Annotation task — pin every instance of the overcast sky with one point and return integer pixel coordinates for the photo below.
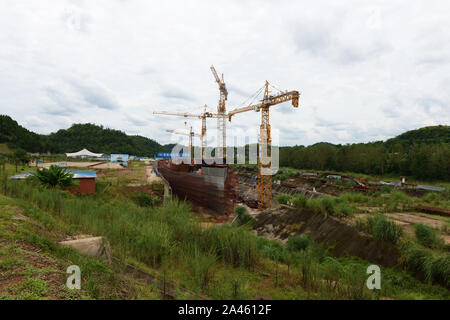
(366, 70)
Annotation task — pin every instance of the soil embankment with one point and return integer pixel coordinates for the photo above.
(340, 237)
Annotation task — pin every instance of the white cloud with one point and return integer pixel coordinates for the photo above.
(366, 71)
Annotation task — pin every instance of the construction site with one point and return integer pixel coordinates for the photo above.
(209, 181)
(271, 195)
(176, 225)
(247, 150)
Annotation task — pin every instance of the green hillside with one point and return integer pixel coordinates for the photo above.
(426, 135)
(16, 136)
(78, 136)
(103, 140)
(422, 153)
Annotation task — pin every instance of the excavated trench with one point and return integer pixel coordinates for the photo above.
(340, 237)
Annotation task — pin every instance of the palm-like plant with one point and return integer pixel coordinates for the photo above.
(54, 176)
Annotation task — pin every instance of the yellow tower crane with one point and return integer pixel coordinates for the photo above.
(202, 116)
(221, 122)
(265, 156)
(190, 134)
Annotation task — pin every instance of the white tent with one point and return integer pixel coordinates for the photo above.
(84, 154)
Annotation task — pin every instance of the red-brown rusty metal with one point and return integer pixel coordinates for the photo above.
(211, 191)
(434, 210)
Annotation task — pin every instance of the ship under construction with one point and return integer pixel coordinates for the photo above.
(213, 185)
(210, 186)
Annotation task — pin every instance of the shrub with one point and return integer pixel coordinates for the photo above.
(143, 199)
(201, 266)
(399, 196)
(298, 243)
(234, 245)
(343, 209)
(314, 205)
(439, 271)
(299, 200)
(350, 183)
(430, 197)
(240, 210)
(283, 198)
(425, 235)
(102, 186)
(355, 197)
(383, 229)
(435, 270)
(158, 186)
(418, 260)
(242, 215)
(327, 205)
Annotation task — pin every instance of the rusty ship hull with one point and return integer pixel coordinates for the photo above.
(211, 187)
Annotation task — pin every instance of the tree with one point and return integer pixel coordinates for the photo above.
(20, 156)
(54, 176)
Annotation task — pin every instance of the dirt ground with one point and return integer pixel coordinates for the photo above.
(151, 175)
(81, 164)
(107, 165)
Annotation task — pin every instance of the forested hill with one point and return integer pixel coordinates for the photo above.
(427, 135)
(95, 138)
(16, 136)
(421, 153)
(103, 140)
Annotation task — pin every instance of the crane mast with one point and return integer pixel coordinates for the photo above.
(265, 139)
(190, 134)
(221, 122)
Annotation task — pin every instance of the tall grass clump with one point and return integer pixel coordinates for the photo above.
(398, 200)
(271, 249)
(299, 200)
(327, 205)
(243, 217)
(426, 236)
(431, 197)
(298, 243)
(344, 210)
(417, 260)
(283, 198)
(422, 261)
(382, 229)
(355, 197)
(201, 266)
(152, 243)
(314, 205)
(439, 271)
(143, 199)
(233, 245)
(309, 268)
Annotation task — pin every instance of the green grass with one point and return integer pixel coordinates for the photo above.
(298, 243)
(32, 266)
(299, 200)
(243, 217)
(143, 199)
(435, 269)
(220, 262)
(381, 228)
(283, 198)
(426, 236)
